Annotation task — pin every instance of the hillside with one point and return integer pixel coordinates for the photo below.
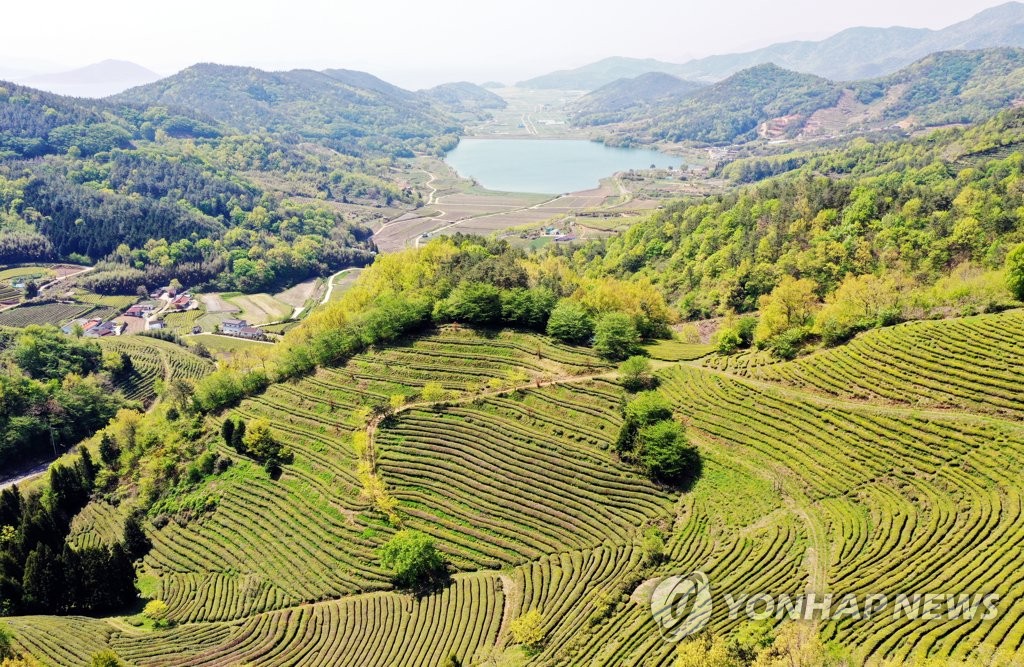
(727, 112)
(627, 98)
(856, 53)
(767, 102)
(348, 111)
(465, 97)
(603, 72)
(97, 80)
(128, 187)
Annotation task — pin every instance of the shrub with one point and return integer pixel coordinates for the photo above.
(106, 659)
(727, 341)
(413, 559)
(665, 452)
(528, 629)
(653, 546)
(570, 323)
(155, 610)
(787, 345)
(635, 374)
(615, 336)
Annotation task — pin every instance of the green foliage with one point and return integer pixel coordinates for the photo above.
(647, 408)
(478, 304)
(6, 646)
(527, 308)
(616, 337)
(570, 322)
(1015, 272)
(790, 305)
(652, 547)
(53, 394)
(727, 341)
(528, 629)
(44, 353)
(665, 452)
(635, 374)
(106, 658)
(787, 344)
(413, 559)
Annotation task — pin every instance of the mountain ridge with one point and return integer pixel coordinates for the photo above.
(851, 54)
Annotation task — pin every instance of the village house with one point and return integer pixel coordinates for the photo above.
(140, 310)
(252, 333)
(233, 327)
(155, 324)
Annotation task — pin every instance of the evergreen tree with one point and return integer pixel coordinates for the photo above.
(227, 431)
(43, 584)
(238, 437)
(136, 544)
(109, 451)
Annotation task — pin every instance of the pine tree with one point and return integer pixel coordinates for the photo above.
(227, 431)
(43, 582)
(108, 450)
(136, 544)
(238, 437)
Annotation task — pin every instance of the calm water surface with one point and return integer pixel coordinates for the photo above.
(548, 166)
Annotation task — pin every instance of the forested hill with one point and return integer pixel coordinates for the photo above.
(935, 216)
(856, 53)
(464, 97)
(727, 112)
(768, 102)
(351, 112)
(625, 98)
(153, 194)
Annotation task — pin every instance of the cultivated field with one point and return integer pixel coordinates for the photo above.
(817, 474)
(152, 360)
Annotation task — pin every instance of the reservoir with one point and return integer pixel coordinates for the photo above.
(548, 166)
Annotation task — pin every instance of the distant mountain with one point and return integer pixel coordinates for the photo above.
(349, 111)
(772, 103)
(601, 73)
(627, 97)
(464, 97)
(97, 80)
(857, 53)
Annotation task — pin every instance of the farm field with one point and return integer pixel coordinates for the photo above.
(154, 360)
(511, 469)
(55, 313)
(220, 344)
(254, 308)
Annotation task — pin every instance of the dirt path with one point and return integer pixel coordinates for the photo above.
(349, 279)
(513, 600)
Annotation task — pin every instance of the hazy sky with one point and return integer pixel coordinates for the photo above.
(419, 42)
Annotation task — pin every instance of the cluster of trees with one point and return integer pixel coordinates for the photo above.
(792, 316)
(899, 210)
(463, 279)
(414, 561)
(147, 194)
(759, 644)
(56, 391)
(257, 441)
(653, 438)
(40, 573)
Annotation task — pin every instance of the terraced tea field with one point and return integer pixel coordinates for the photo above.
(52, 313)
(819, 474)
(152, 360)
